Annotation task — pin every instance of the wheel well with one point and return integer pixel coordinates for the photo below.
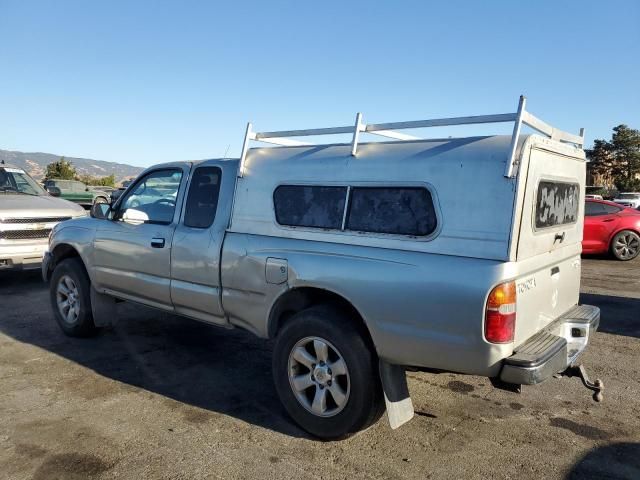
(298, 299)
(622, 230)
(61, 252)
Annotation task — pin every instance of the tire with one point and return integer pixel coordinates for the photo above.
(625, 245)
(353, 400)
(70, 283)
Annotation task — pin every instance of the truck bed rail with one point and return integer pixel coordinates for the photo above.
(390, 130)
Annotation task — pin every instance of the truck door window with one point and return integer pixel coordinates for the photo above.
(310, 206)
(395, 210)
(155, 194)
(202, 200)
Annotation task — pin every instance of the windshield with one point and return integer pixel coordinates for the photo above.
(629, 196)
(14, 180)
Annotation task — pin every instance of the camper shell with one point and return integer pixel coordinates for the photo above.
(456, 254)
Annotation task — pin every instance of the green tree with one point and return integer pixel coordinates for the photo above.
(108, 181)
(61, 169)
(618, 158)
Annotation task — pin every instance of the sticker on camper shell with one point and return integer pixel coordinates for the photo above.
(556, 203)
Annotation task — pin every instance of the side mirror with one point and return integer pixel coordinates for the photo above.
(135, 217)
(54, 191)
(100, 210)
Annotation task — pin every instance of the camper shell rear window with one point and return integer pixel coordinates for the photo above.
(395, 210)
(557, 203)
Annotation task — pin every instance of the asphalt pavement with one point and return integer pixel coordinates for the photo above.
(160, 396)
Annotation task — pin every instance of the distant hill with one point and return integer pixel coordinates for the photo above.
(36, 165)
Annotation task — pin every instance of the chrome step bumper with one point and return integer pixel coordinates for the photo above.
(553, 349)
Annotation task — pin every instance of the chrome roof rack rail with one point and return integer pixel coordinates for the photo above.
(389, 130)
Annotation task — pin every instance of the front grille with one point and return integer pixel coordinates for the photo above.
(34, 220)
(24, 234)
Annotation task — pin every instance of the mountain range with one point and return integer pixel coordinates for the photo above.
(36, 165)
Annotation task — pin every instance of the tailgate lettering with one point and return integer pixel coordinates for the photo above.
(526, 285)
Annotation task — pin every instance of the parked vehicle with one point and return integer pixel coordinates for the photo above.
(358, 259)
(593, 197)
(115, 194)
(27, 215)
(611, 228)
(629, 199)
(101, 188)
(76, 191)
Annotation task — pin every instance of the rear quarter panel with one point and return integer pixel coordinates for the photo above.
(423, 310)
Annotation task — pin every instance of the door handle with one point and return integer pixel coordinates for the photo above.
(559, 237)
(607, 220)
(157, 242)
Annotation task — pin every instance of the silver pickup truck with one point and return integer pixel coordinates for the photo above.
(360, 259)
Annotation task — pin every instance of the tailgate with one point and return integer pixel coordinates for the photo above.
(547, 287)
(549, 241)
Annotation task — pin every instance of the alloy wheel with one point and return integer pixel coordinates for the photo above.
(319, 377)
(68, 299)
(626, 246)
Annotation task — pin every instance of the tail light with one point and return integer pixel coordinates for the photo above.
(500, 314)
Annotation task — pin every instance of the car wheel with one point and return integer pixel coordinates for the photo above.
(100, 200)
(71, 300)
(326, 374)
(625, 245)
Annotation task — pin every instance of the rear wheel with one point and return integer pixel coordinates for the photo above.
(69, 292)
(326, 375)
(625, 245)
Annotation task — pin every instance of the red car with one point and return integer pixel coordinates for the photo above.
(609, 227)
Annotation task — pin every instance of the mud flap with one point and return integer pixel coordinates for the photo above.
(396, 394)
(103, 308)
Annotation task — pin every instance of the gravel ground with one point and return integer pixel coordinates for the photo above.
(163, 397)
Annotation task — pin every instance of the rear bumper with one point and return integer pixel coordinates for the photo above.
(553, 349)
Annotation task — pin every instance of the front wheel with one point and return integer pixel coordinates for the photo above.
(326, 375)
(69, 292)
(625, 245)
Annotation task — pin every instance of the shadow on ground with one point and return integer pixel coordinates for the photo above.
(228, 372)
(616, 461)
(204, 366)
(618, 315)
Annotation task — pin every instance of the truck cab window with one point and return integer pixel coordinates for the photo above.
(155, 195)
(202, 200)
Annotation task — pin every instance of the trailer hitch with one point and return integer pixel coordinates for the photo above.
(597, 385)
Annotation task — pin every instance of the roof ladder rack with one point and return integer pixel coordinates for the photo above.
(389, 130)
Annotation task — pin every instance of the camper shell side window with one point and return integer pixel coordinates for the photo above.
(394, 210)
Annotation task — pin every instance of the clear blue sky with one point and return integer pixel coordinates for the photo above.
(151, 81)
